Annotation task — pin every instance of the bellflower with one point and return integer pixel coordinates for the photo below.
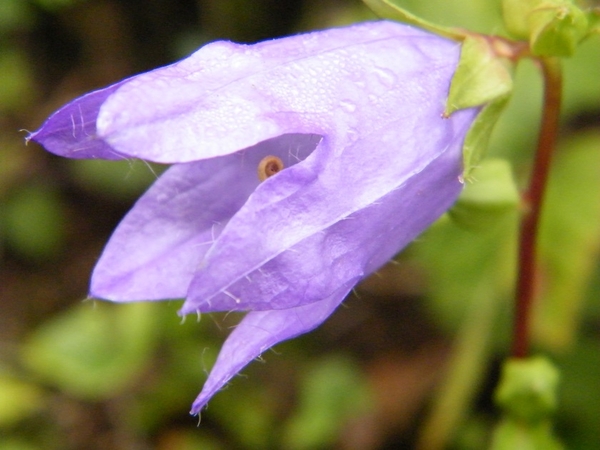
(349, 124)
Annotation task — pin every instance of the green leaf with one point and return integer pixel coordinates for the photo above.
(332, 392)
(489, 194)
(390, 9)
(481, 78)
(93, 351)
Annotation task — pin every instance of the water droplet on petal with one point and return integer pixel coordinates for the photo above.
(386, 76)
(348, 106)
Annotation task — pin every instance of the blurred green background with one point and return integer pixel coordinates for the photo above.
(412, 358)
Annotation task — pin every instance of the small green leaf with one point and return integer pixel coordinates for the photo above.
(481, 76)
(390, 9)
(527, 389)
(332, 393)
(93, 351)
(556, 27)
(489, 194)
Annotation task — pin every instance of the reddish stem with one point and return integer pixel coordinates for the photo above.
(533, 198)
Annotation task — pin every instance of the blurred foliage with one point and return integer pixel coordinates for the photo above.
(91, 352)
(331, 393)
(99, 376)
(34, 222)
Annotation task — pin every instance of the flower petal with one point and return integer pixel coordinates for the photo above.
(158, 246)
(227, 96)
(324, 190)
(259, 331)
(71, 131)
(350, 248)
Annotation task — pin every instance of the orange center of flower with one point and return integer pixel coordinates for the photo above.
(269, 166)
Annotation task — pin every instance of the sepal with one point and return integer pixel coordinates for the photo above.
(552, 27)
(478, 136)
(482, 76)
(556, 28)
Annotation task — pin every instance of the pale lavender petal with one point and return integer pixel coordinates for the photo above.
(71, 131)
(356, 115)
(158, 246)
(350, 248)
(259, 331)
(324, 190)
(339, 82)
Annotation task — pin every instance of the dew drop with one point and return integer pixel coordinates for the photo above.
(386, 76)
(348, 106)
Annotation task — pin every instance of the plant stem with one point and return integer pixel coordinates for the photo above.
(533, 197)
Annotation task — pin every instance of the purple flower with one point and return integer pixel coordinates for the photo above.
(355, 116)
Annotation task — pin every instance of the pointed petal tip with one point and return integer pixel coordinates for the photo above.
(30, 135)
(188, 308)
(198, 404)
